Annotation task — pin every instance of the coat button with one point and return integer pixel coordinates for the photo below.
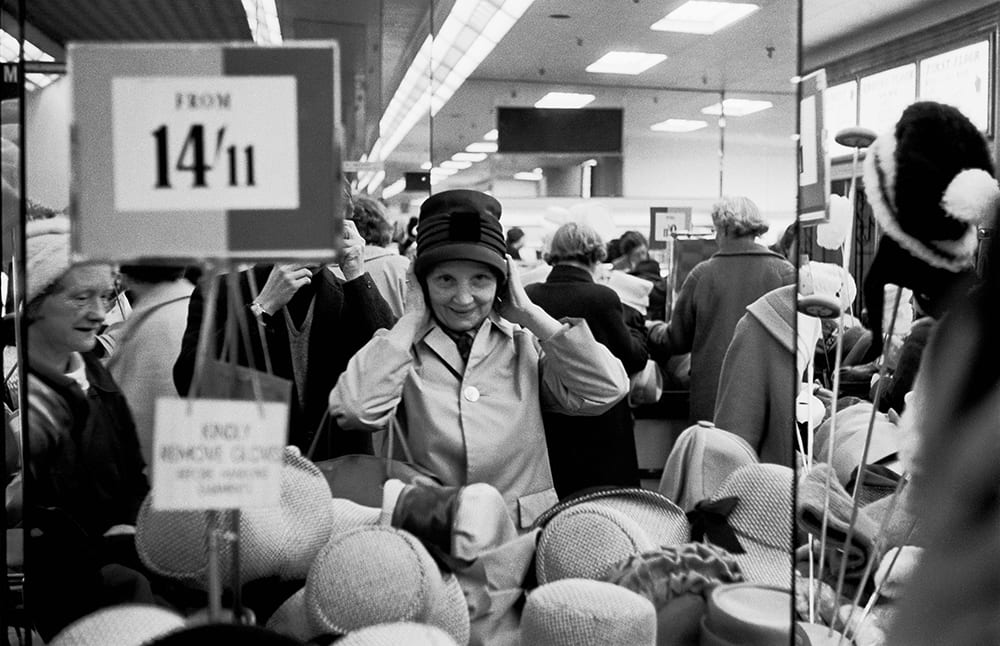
(471, 394)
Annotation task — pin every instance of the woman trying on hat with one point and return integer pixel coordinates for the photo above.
(85, 471)
(474, 362)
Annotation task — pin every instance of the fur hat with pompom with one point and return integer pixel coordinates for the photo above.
(48, 255)
(930, 183)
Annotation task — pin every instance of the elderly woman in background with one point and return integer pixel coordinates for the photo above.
(591, 451)
(474, 362)
(383, 263)
(715, 295)
(85, 469)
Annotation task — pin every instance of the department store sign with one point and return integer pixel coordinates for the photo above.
(217, 454)
(189, 151)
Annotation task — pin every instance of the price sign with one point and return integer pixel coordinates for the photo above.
(185, 143)
(188, 151)
(217, 453)
(664, 221)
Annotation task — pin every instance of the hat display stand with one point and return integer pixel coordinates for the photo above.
(855, 138)
(216, 535)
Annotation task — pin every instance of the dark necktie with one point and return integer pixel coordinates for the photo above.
(464, 344)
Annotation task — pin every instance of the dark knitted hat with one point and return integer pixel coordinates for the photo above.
(930, 183)
(460, 225)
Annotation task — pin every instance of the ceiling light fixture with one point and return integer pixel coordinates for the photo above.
(426, 166)
(443, 63)
(529, 176)
(568, 100)
(737, 107)
(457, 165)
(443, 172)
(262, 16)
(10, 51)
(679, 125)
(394, 189)
(631, 63)
(473, 158)
(700, 17)
(491, 135)
(482, 147)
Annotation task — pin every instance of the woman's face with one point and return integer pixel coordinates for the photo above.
(461, 293)
(69, 319)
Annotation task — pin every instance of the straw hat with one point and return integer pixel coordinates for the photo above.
(125, 625)
(762, 521)
(374, 575)
(573, 612)
(584, 536)
(747, 614)
(275, 541)
(407, 633)
(702, 458)
(213, 634)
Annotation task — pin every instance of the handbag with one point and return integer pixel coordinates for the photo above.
(359, 478)
(646, 386)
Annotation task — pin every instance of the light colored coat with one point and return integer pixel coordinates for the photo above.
(142, 363)
(486, 427)
(388, 271)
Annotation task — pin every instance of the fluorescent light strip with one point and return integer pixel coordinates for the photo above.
(482, 147)
(491, 135)
(630, 63)
(457, 165)
(442, 172)
(467, 36)
(426, 166)
(678, 125)
(529, 176)
(394, 189)
(376, 181)
(568, 100)
(700, 17)
(10, 50)
(737, 107)
(262, 17)
(473, 158)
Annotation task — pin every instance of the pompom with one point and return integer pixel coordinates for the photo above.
(971, 196)
(831, 235)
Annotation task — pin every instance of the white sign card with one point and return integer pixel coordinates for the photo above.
(840, 110)
(808, 140)
(885, 95)
(960, 78)
(205, 142)
(666, 221)
(217, 453)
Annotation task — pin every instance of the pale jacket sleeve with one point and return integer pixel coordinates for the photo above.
(578, 375)
(369, 390)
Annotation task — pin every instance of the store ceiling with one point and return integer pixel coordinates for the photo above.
(754, 57)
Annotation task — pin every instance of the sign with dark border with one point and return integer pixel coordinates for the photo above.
(813, 160)
(189, 151)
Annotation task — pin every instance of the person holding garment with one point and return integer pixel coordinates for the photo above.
(312, 322)
(473, 362)
(714, 297)
(590, 451)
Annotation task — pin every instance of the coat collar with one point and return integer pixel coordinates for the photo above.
(744, 248)
(569, 274)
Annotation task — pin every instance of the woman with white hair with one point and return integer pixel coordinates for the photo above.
(715, 295)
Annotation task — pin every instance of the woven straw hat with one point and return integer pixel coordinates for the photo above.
(130, 625)
(275, 541)
(375, 575)
(572, 612)
(398, 633)
(762, 521)
(584, 536)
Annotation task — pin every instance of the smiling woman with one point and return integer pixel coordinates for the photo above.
(85, 471)
(473, 371)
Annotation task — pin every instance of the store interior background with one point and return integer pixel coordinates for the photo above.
(546, 49)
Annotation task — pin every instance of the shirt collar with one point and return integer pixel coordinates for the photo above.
(494, 320)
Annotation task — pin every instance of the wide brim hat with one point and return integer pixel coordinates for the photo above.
(702, 457)
(277, 541)
(762, 521)
(572, 612)
(585, 535)
(849, 441)
(375, 575)
(460, 225)
(129, 625)
(747, 614)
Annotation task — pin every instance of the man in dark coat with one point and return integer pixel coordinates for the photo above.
(590, 451)
(314, 322)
